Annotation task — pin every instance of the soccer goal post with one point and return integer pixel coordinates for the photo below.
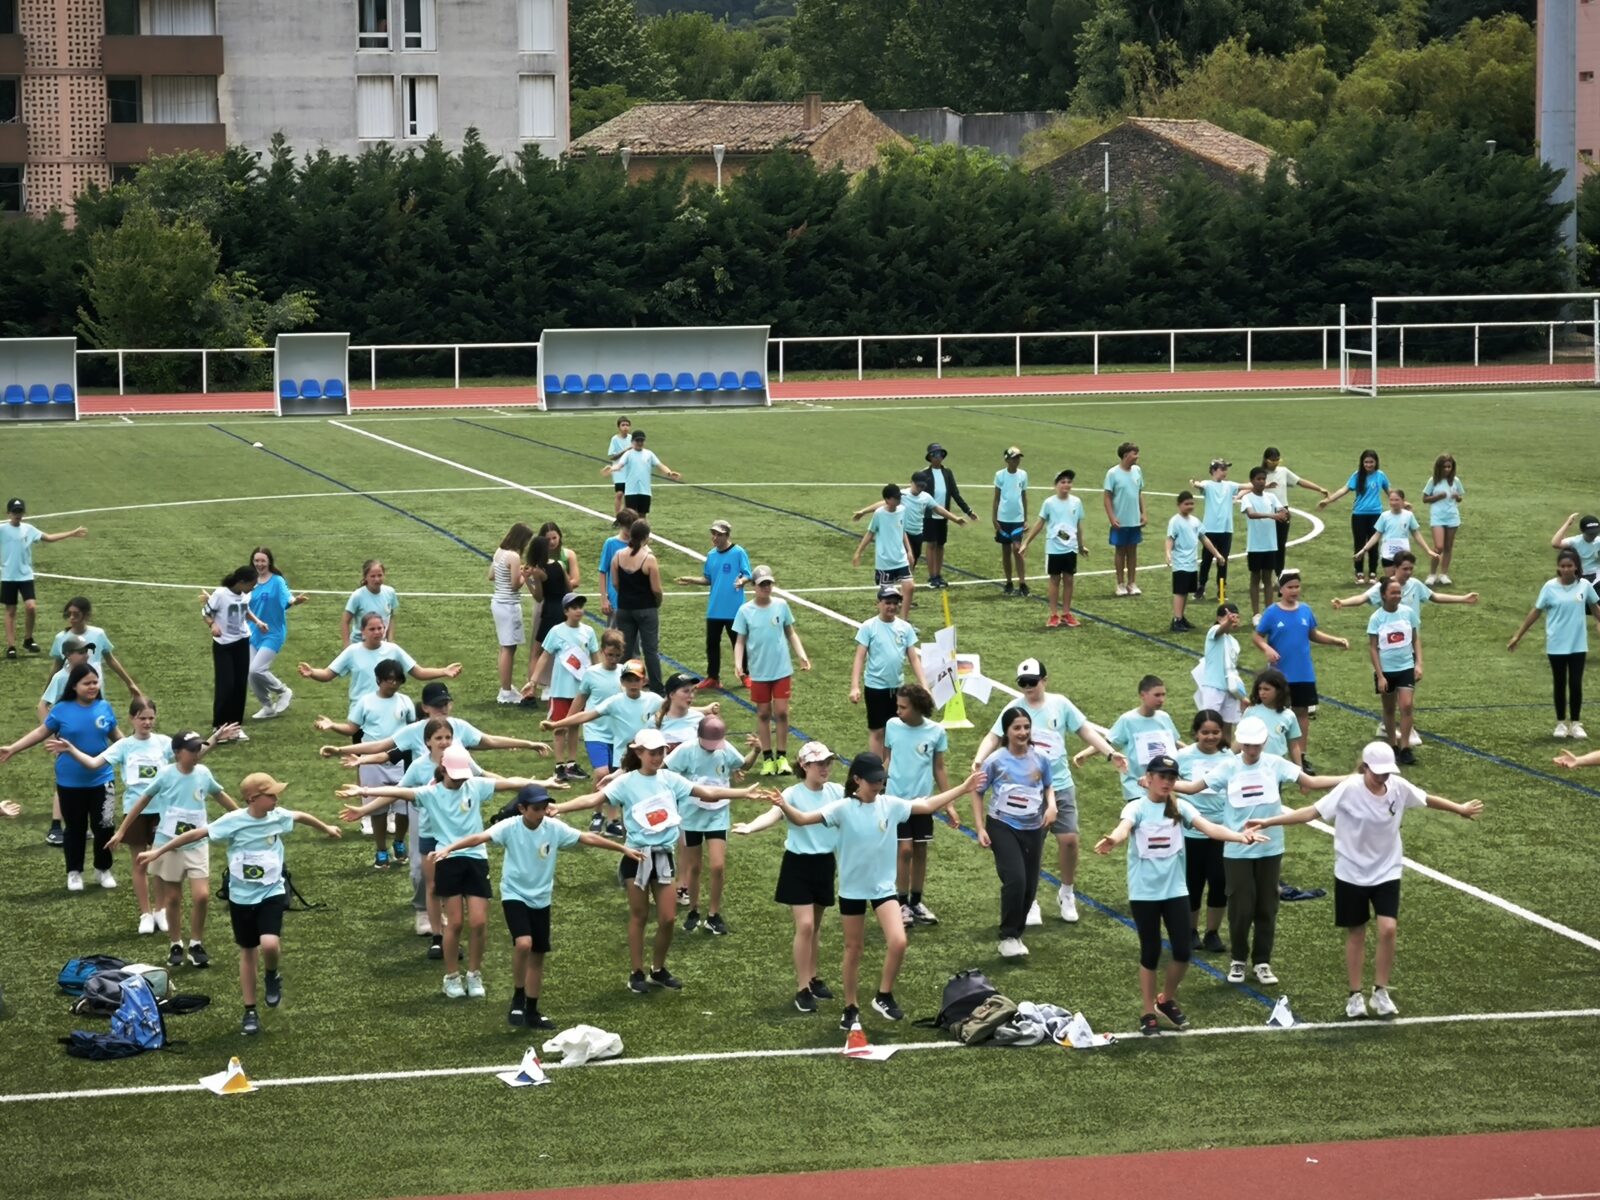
(1533, 339)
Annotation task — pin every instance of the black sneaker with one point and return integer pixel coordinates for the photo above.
(691, 921)
(596, 823)
(849, 1017)
(436, 947)
(54, 836)
(561, 775)
(1405, 757)
(1212, 943)
(517, 1014)
(251, 1025)
(537, 1020)
(1176, 626)
(574, 771)
(1170, 1010)
(1149, 1026)
(529, 702)
(805, 1001)
(883, 1004)
(820, 989)
(274, 989)
(1305, 765)
(31, 646)
(637, 984)
(1008, 590)
(615, 829)
(11, 651)
(664, 978)
(1022, 589)
(175, 955)
(198, 956)
(716, 926)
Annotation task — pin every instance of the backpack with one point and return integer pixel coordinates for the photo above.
(136, 1026)
(989, 1016)
(102, 993)
(78, 971)
(962, 996)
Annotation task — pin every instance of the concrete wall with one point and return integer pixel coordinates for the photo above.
(1140, 164)
(1588, 90)
(1000, 132)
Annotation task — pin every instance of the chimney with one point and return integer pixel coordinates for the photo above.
(811, 111)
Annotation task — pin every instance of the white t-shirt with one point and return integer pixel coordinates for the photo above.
(1366, 828)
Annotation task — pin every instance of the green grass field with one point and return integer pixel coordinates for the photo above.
(174, 504)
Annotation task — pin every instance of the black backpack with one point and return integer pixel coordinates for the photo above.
(962, 996)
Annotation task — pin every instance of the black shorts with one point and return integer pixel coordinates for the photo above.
(1351, 902)
(664, 866)
(916, 828)
(890, 576)
(1303, 695)
(858, 908)
(12, 589)
(880, 706)
(1399, 681)
(1387, 563)
(252, 922)
(935, 531)
(1062, 564)
(462, 876)
(805, 879)
(1010, 533)
(916, 547)
(693, 837)
(525, 922)
(1185, 583)
(639, 504)
(1261, 560)
(619, 487)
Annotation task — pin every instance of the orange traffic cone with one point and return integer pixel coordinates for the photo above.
(856, 1042)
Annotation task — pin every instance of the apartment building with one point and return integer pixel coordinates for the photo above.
(1586, 56)
(91, 88)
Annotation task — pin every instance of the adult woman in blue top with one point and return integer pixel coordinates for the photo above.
(1565, 601)
(88, 795)
(1022, 805)
(1370, 487)
(270, 600)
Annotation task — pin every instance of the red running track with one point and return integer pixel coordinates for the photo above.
(1495, 1166)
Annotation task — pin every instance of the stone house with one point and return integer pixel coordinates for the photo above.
(1146, 152)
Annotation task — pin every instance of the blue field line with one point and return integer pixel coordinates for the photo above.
(739, 700)
(1036, 420)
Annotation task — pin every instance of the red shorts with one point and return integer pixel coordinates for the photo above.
(560, 707)
(765, 691)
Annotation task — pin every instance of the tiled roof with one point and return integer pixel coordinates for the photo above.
(1210, 142)
(744, 127)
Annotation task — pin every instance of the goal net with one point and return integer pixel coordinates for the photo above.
(1543, 339)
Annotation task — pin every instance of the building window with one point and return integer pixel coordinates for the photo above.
(183, 100)
(124, 101)
(8, 16)
(419, 98)
(1585, 76)
(372, 18)
(537, 104)
(374, 107)
(536, 26)
(124, 172)
(11, 189)
(188, 18)
(10, 99)
(417, 32)
(122, 17)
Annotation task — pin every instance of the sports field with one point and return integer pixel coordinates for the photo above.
(1508, 924)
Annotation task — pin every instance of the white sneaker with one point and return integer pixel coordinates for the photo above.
(1122, 589)
(1012, 948)
(1235, 971)
(1355, 1008)
(508, 696)
(907, 917)
(74, 881)
(366, 826)
(1133, 590)
(1381, 1004)
(453, 987)
(1445, 579)
(1575, 730)
(424, 928)
(106, 879)
(1264, 973)
(1035, 917)
(1560, 730)
(160, 915)
(241, 736)
(475, 985)
(1430, 581)
(1382, 732)
(265, 713)
(1069, 905)
(147, 924)
(281, 702)
(1416, 739)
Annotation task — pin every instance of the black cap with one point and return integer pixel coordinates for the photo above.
(15, 504)
(933, 449)
(638, 435)
(1590, 522)
(1162, 764)
(679, 679)
(868, 767)
(188, 740)
(435, 694)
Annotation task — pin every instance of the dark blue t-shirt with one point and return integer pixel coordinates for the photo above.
(89, 728)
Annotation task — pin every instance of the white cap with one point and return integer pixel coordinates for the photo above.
(1030, 666)
(455, 760)
(649, 738)
(814, 752)
(1378, 757)
(1252, 731)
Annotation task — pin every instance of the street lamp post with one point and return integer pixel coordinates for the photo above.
(717, 151)
(1105, 149)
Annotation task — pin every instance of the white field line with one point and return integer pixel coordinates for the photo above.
(807, 1052)
(80, 512)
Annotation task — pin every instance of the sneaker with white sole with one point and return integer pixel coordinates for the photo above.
(1068, 904)
(160, 915)
(74, 881)
(883, 1004)
(508, 696)
(1355, 1008)
(1012, 948)
(922, 914)
(147, 924)
(1382, 1005)
(1264, 973)
(241, 736)
(1122, 589)
(1576, 730)
(1133, 590)
(106, 879)
(1446, 580)
(475, 985)
(907, 917)
(281, 702)
(1560, 730)
(1035, 917)
(454, 988)
(423, 926)
(1235, 971)
(265, 713)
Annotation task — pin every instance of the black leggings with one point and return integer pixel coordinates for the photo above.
(1283, 546)
(1204, 865)
(1017, 853)
(230, 679)
(715, 628)
(1566, 671)
(1223, 542)
(1147, 918)
(1362, 527)
(86, 809)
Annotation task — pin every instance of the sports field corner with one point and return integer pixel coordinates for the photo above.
(383, 1088)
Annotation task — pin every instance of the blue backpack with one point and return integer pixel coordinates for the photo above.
(78, 970)
(136, 1026)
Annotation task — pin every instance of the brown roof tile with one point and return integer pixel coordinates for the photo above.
(1210, 142)
(744, 127)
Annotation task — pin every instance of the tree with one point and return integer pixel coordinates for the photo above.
(1050, 29)
(592, 107)
(607, 45)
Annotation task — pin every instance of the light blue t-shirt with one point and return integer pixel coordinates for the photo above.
(1052, 721)
(868, 844)
(254, 846)
(1261, 535)
(1193, 764)
(599, 684)
(409, 740)
(637, 466)
(1016, 784)
(270, 602)
(708, 768)
(1376, 495)
(1124, 488)
(910, 750)
(179, 800)
(1394, 532)
(619, 444)
(455, 813)
(1283, 727)
(380, 718)
(358, 663)
(1156, 852)
(915, 505)
(16, 551)
(1446, 510)
(888, 540)
(1220, 663)
(1012, 486)
(722, 569)
(1413, 595)
(1140, 739)
(363, 601)
(572, 647)
(1566, 615)
(1219, 495)
(765, 629)
(1397, 634)
(886, 643)
(652, 806)
(1588, 553)
(812, 839)
(1185, 534)
(678, 730)
(100, 639)
(138, 760)
(1253, 791)
(421, 774)
(528, 871)
(1062, 521)
(625, 716)
(57, 687)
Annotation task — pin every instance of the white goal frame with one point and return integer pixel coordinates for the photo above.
(1356, 361)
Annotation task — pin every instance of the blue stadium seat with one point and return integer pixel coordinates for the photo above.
(63, 393)
(310, 389)
(707, 382)
(729, 382)
(552, 385)
(594, 384)
(753, 381)
(287, 390)
(685, 382)
(641, 383)
(617, 383)
(663, 382)
(572, 385)
(38, 394)
(333, 389)
(15, 394)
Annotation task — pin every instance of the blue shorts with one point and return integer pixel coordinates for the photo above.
(1009, 533)
(1126, 537)
(599, 754)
